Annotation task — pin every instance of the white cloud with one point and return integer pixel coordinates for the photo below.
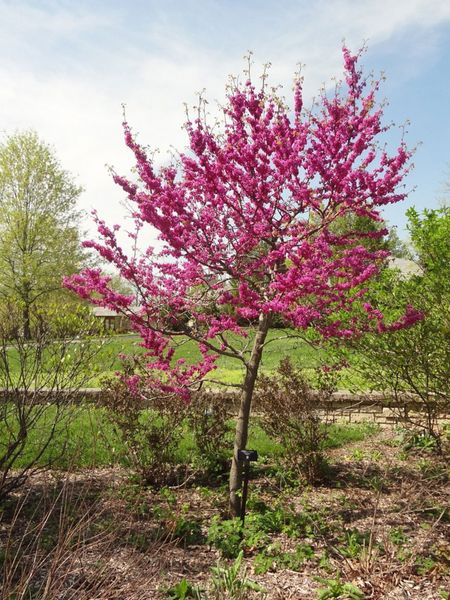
(67, 70)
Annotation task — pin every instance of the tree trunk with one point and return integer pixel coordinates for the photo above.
(241, 434)
(26, 322)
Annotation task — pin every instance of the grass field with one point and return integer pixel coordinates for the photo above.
(102, 359)
(228, 370)
(85, 437)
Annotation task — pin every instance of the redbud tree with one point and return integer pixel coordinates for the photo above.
(246, 219)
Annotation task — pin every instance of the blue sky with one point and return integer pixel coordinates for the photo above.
(67, 67)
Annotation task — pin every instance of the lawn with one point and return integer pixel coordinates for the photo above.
(85, 437)
(100, 359)
(228, 370)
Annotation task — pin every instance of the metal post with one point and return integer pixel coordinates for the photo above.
(245, 490)
(245, 457)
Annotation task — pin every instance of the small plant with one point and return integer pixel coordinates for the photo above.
(175, 522)
(397, 536)
(272, 558)
(336, 588)
(188, 531)
(183, 590)
(232, 582)
(419, 440)
(226, 536)
(354, 544)
(424, 564)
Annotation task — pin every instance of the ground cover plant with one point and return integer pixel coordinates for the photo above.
(247, 230)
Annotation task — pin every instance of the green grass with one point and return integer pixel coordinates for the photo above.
(228, 370)
(86, 438)
(103, 359)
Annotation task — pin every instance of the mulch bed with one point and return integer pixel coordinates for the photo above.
(94, 535)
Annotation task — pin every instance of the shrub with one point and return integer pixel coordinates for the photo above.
(413, 365)
(208, 418)
(291, 416)
(150, 429)
(40, 382)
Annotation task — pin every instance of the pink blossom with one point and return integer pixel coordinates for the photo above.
(245, 223)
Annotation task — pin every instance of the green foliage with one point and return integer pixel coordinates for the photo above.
(397, 536)
(424, 564)
(183, 590)
(366, 229)
(226, 536)
(272, 559)
(39, 228)
(226, 581)
(354, 543)
(414, 363)
(230, 537)
(336, 588)
(232, 581)
(419, 440)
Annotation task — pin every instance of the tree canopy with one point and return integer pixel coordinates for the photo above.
(39, 224)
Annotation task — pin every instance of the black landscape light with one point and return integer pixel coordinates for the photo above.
(246, 457)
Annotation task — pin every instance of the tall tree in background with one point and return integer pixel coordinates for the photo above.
(39, 225)
(414, 365)
(245, 220)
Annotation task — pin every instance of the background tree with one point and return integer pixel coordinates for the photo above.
(375, 235)
(39, 225)
(245, 221)
(414, 365)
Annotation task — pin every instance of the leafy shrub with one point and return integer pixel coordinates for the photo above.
(291, 417)
(412, 365)
(208, 418)
(40, 383)
(150, 429)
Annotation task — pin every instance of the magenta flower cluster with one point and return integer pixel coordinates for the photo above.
(246, 226)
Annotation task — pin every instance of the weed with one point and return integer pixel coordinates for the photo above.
(424, 564)
(397, 536)
(354, 544)
(272, 558)
(336, 588)
(183, 590)
(232, 582)
(422, 440)
(226, 536)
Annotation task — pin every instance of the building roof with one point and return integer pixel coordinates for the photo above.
(99, 311)
(405, 266)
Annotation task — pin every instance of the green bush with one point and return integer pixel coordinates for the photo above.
(290, 416)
